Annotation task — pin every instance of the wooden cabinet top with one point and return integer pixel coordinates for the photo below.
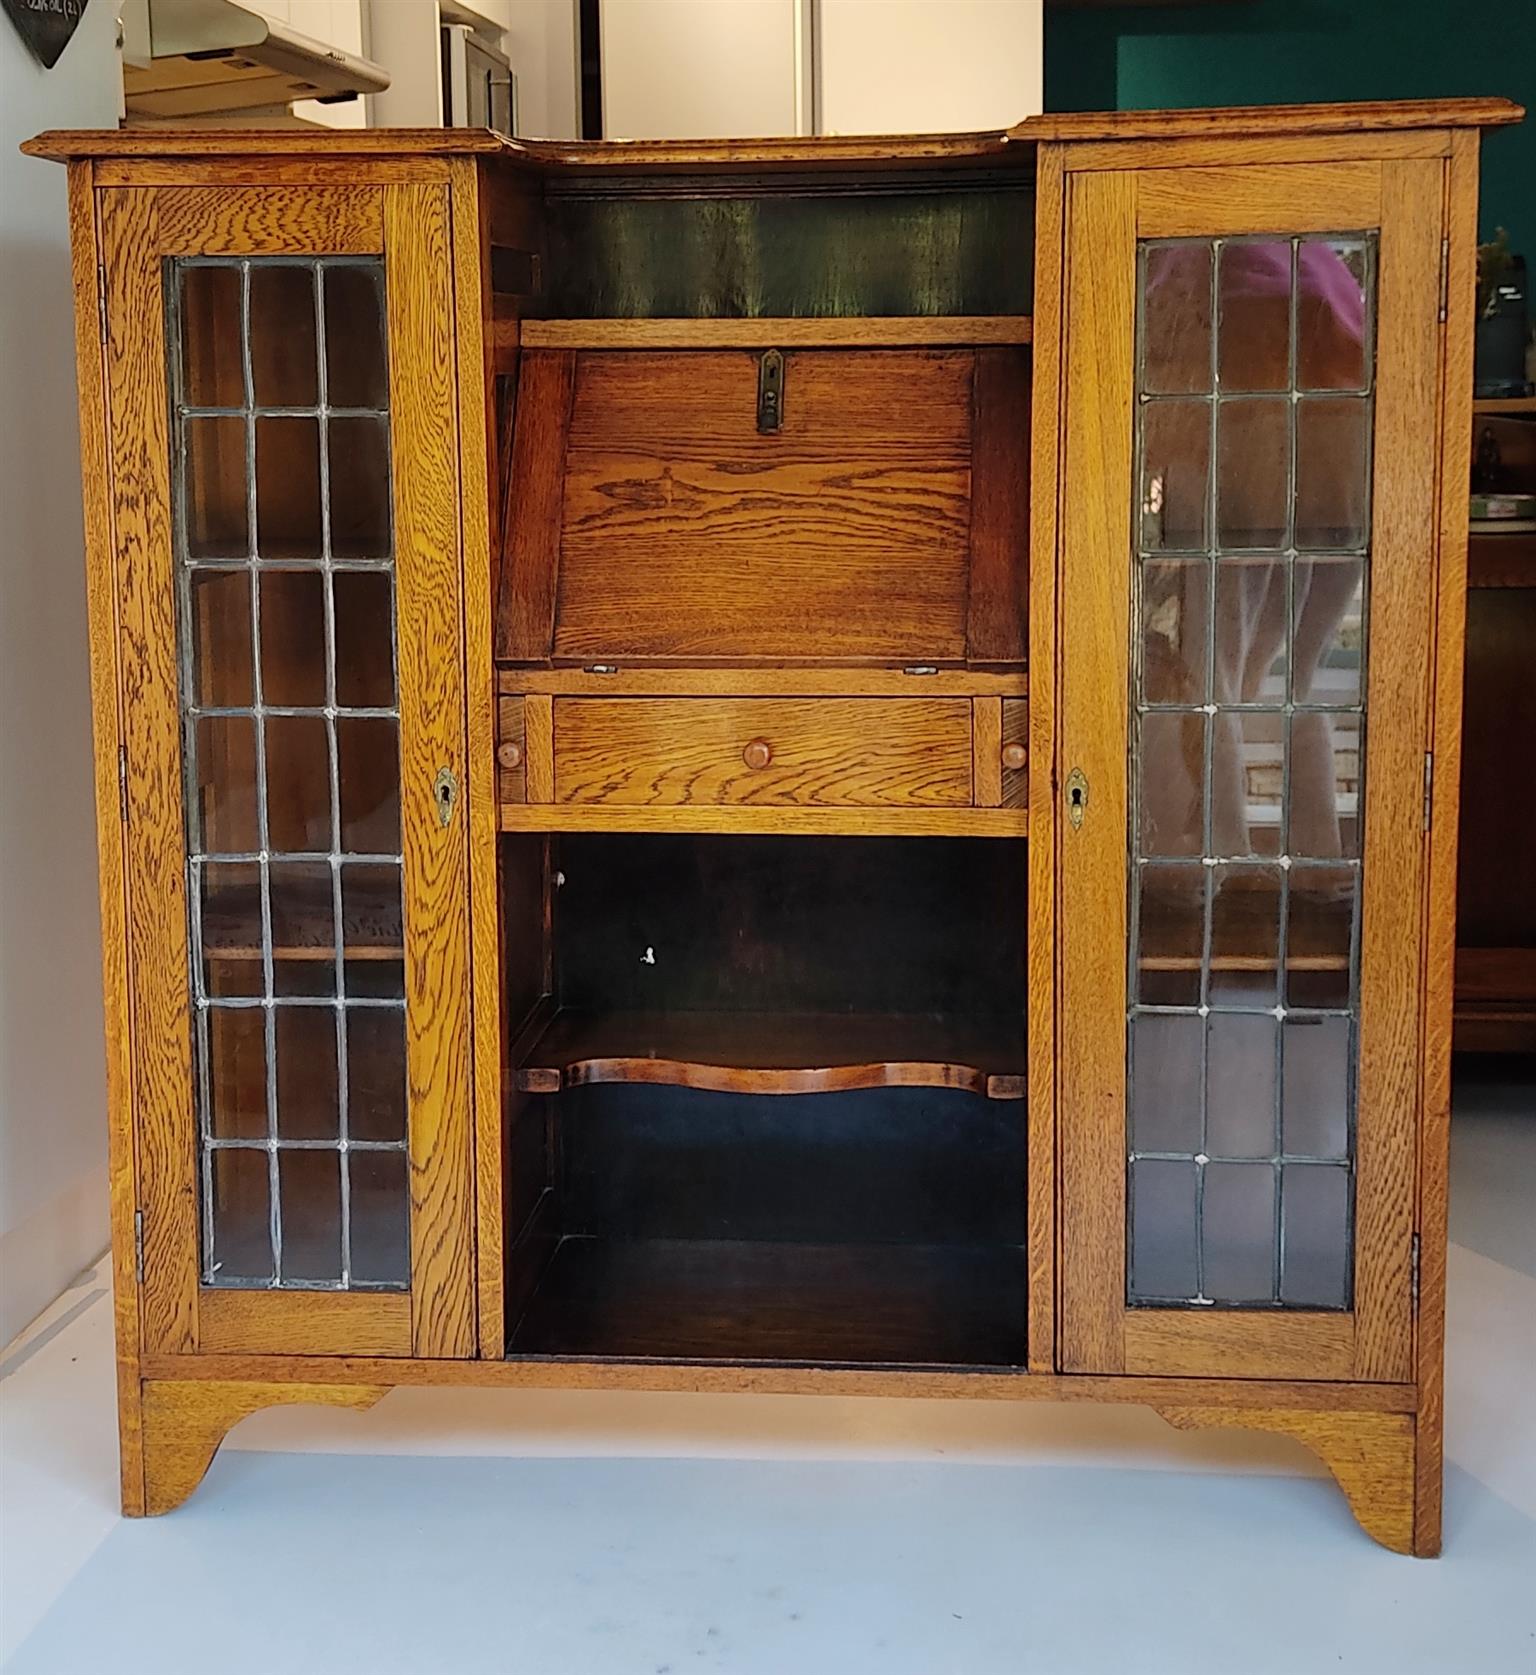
(999, 146)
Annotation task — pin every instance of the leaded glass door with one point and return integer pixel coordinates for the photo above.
(1247, 571)
(285, 487)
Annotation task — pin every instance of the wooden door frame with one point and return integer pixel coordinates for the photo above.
(409, 223)
(1106, 210)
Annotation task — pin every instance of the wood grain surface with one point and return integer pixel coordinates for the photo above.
(846, 752)
(902, 331)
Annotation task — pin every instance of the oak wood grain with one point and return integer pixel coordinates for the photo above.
(1370, 1455)
(531, 514)
(852, 752)
(303, 1322)
(987, 751)
(539, 748)
(511, 740)
(770, 819)
(470, 228)
(757, 681)
(1299, 198)
(185, 1420)
(156, 926)
(1014, 737)
(270, 221)
(997, 600)
(686, 532)
(430, 651)
(106, 733)
(1046, 442)
(1227, 1343)
(761, 332)
(777, 1053)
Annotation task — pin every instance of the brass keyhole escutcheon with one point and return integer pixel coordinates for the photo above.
(1077, 796)
(445, 793)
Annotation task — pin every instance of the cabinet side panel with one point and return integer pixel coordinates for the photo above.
(106, 724)
(417, 244)
(1406, 464)
(1434, 1138)
(155, 850)
(1095, 601)
(1044, 495)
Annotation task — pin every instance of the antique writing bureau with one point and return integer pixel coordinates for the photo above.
(801, 766)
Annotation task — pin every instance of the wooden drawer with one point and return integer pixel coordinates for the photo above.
(805, 752)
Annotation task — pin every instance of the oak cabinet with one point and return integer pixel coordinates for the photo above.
(806, 766)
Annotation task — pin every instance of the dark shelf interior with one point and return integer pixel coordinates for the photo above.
(765, 1300)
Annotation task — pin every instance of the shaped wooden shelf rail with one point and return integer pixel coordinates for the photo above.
(780, 1053)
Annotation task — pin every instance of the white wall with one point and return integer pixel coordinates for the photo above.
(540, 39)
(53, 1217)
(928, 66)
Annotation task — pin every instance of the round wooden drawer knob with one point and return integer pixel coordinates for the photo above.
(1014, 756)
(758, 754)
(510, 754)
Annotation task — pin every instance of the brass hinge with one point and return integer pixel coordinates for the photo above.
(1429, 786)
(138, 1245)
(122, 783)
(1413, 1272)
(1445, 275)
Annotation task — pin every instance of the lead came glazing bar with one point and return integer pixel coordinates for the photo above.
(1247, 766)
(252, 953)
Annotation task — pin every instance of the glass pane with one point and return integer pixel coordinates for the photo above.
(1316, 1100)
(221, 638)
(1174, 609)
(213, 488)
(1325, 784)
(365, 639)
(293, 638)
(1248, 734)
(1254, 335)
(298, 784)
(360, 510)
(288, 488)
(1176, 321)
(369, 753)
(300, 1028)
(308, 1100)
(1171, 934)
(357, 367)
(222, 809)
(284, 367)
(212, 368)
(1245, 936)
(230, 905)
(1165, 1074)
(1238, 1232)
(1250, 631)
(1315, 1266)
(237, 1072)
(1240, 1085)
(1328, 641)
(240, 1213)
(1175, 476)
(1331, 314)
(310, 1183)
(1331, 473)
(380, 1234)
(1163, 1229)
(1320, 953)
(1253, 452)
(1172, 770)
(376, 1073)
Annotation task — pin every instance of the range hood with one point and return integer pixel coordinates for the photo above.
(192, 58)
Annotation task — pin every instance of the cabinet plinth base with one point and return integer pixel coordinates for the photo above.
(1370, 1455)
(185, 1420)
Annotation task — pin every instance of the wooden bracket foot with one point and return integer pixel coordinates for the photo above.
(1371, 1456)
(185, 1420)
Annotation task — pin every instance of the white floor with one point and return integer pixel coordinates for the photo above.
(612, 1534)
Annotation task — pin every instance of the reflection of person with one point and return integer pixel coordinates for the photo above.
(1255, 499)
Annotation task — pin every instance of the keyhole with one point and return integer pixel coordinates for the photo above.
(446, 789)
(1077, 796)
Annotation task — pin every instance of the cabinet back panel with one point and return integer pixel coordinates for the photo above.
(878, 252)
(881, 1165)
(791, 924)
